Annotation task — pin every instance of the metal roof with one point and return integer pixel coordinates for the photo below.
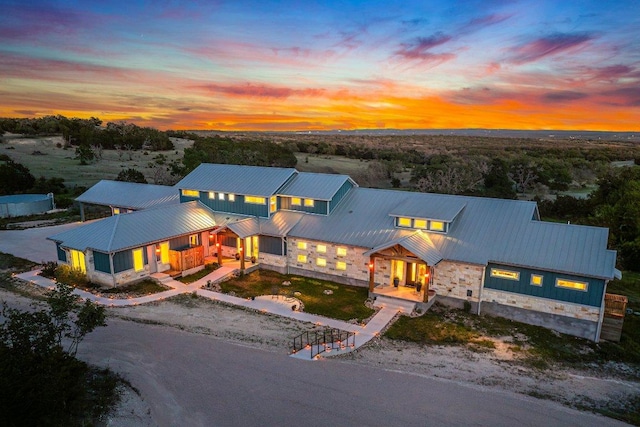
(135, 229)
(485, 230)
(318, 186)
(236, 179)
(131, 195)
(278, 225)
(439, 207)
(418, 243)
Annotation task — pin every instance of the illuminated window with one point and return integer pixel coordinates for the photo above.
(420, 223)
(341, 251)
(536, 280)
(321, 249)
(321, 262)
(436, 226)
(194, 240)
(212, 195)
(232, 197)
(571, 284)
(302, 258)
(273, 204)
(505, 274)
(309, 202)
(220, 196)
(138, 260)
(77, 261)
(116, 211)
(296, 201)
(341, 265)
(190, 193)
(404, 222)
(164, 252)
(302, 245)
(255, 200)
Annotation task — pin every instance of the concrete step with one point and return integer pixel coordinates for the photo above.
(405, 306)
(162, 277)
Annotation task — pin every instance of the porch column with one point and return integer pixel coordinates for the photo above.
(425, 297)
(371, 273)
(242, 254)
(219, 249)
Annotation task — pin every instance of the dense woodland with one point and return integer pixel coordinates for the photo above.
(539, 169)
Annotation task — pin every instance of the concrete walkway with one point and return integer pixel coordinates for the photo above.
(265, 304)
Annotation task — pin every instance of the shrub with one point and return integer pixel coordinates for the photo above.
(49, 269)
(70, 276)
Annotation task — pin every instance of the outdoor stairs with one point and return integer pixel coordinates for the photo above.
(404, 306)
(162, 277)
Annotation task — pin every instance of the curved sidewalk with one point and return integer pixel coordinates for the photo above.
(363, 334)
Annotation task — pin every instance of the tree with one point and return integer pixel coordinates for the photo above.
(85, 154)
(131, 175)
(40, 381)
(14, 177)
(497, 182)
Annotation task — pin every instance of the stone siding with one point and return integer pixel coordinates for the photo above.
(454, 279)
(542, 305)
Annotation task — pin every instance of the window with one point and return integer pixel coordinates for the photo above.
(341, 251)
(505, 274)
(404, 222)
(190, 193)
(341, 265)
(116, 211)
(273, 204)
(436, 226)
(302, 258)
(255, 200)
(194, 240)
(321, 249)
(77, 261)
(536, 280)
(302, 245)
(164, 252)
(321, 262)
(420, 223)
(212, 195)
(138, 260)
(296, 201)
(220, 196)
(309, 203)
(571, 284)
(232, 197)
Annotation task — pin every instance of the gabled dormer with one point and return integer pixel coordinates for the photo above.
(315, 193)
(436, 217)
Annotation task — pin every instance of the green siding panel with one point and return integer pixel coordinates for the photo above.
(122, 261)
(319, 207)
(236, 207)
(344, 189)
(101, 262)
(592, 296)
(62, 254)
(270, 245)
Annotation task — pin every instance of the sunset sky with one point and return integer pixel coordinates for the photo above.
(314, 65)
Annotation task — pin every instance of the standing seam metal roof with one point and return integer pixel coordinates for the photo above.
(319, 186)
(130, 195)
(235, 179)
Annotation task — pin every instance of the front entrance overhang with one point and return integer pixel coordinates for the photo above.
(419, 244)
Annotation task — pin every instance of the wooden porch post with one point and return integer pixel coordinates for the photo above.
(219, 249)
(371, 273)
(425, 297)
(241, 254)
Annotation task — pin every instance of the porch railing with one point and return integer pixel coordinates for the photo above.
(324, 340)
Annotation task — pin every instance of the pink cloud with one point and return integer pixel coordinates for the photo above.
(546, 46)
(419, 47)
(250, 90)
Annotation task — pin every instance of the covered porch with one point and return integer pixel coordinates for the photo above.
(404, 268)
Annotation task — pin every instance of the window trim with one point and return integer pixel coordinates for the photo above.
(341, 251)
(441, 229)
(415, 224)
(138, 259)
(574, 282)
(221, 196)
(232, 197)
(190, 193)
(341, 263)
(255, 200)
(321, 249)
(501, 273)
(321, 262)
(536, 276)
(402, 219)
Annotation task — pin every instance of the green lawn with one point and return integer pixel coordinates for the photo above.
(198, 275)
(15, 264)
(346, 302)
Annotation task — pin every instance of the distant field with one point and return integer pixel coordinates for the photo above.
(43, 158)
(330, 164)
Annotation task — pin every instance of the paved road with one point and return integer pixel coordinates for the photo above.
(195, 380)
(32, 243)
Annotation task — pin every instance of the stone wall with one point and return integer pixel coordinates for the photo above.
(453, 280)
(568, 318)
(357, 265)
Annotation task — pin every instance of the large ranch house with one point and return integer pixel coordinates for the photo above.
(496, 255)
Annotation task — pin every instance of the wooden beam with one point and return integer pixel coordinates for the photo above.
(219, 250)
(242, 254)
(371, 273)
